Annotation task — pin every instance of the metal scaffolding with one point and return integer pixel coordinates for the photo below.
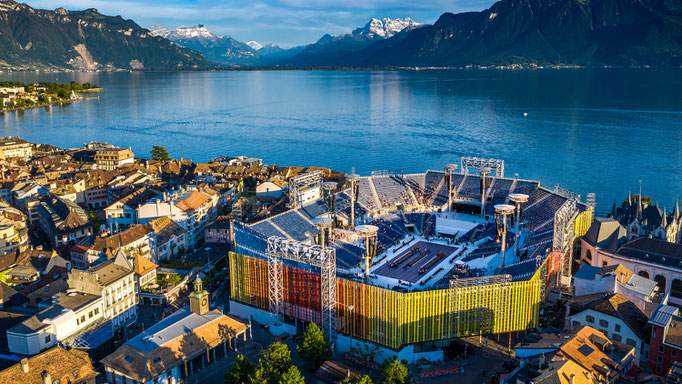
(311, 179)
(566, 193)
(324, 258)
(478, 162)
(564, 235)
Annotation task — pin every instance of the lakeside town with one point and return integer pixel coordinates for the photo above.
(15, 95)
(118, 267)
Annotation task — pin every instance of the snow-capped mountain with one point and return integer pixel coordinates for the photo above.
(386, 28)
(335, 50)
(254, 45)
(183, 32)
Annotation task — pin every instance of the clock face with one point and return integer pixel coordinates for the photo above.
(204, 301)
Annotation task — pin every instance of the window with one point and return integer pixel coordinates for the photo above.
(603, 323)
(676, 288)
(660, 279)
(617, 327)
(90, 315)
(658, 370)
(576, 323)
(659, 359)
(48, 338)
(83, 319)
(589, 319)
(616, 337)
(673, 353)
(660, 349)
(631, 342)
(604, 332)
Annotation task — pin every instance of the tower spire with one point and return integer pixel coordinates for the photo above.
(613, 209)
(676, 211)
(664, 221)
(629, 198)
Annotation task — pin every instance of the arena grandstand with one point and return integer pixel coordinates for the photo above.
(409, 262)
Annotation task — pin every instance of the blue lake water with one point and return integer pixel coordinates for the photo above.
(588, 130)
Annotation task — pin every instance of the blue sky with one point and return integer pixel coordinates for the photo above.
(284, 22)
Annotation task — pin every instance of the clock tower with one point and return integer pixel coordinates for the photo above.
(198, 300)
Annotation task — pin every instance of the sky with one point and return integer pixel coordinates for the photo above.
(284, 22)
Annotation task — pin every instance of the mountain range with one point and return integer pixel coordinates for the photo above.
(511, 32)
(60, 39)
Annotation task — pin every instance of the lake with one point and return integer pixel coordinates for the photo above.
(587, 130)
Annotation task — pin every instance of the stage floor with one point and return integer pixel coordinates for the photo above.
(411, 273)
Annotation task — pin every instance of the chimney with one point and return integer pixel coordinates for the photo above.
(572, 378)
(24, 364)
(47, 378)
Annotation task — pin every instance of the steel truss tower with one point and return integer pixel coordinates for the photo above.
(564, 236)
(478, 163)
(312, 179)
(324, 258)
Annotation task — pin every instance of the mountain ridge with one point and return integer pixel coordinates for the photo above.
(85, 40)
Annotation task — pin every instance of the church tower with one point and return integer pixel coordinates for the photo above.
(198, 300)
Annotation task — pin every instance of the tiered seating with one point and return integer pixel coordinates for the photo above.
(478, 232)
(295, 225)
(366, 196)
(523, 270)
(315, 209)
(347, 255)
(471, 188)
(483, 251)
(343, 205)
(539, 214)
(264, 227)
(391, 191)
(391, 229)
(526, 187)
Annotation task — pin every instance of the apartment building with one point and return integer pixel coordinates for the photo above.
(114, 281)
(112, 158)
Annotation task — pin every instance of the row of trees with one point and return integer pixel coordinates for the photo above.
(275, 366)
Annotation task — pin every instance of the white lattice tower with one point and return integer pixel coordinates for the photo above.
(323, 258)
(564, 235)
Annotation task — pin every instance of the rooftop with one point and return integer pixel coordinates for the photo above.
(164, 345)
(64, 367)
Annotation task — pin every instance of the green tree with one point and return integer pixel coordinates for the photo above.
(394, 371)
(240, 371)
(159, 153)
(291, 376)
(364, 379)
(313, 346)
(274, 362)
(635, 199)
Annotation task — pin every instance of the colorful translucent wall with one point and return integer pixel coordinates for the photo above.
(394, 319)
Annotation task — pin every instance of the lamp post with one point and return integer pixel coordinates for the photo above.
(483, 172)
(518, 198)
(503, 210)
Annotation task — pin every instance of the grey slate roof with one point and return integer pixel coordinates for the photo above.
(663, 314)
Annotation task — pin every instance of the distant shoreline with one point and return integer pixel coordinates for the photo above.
(512, 67)
(49, 104)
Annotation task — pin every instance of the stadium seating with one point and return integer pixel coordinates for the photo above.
(392, 190)
(295, 225)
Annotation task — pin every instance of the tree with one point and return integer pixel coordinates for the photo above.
(313, 346)
(240, 371)
(364, 379)
(274, 362)
(159, 153)
(291, 376)
(394, 371)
